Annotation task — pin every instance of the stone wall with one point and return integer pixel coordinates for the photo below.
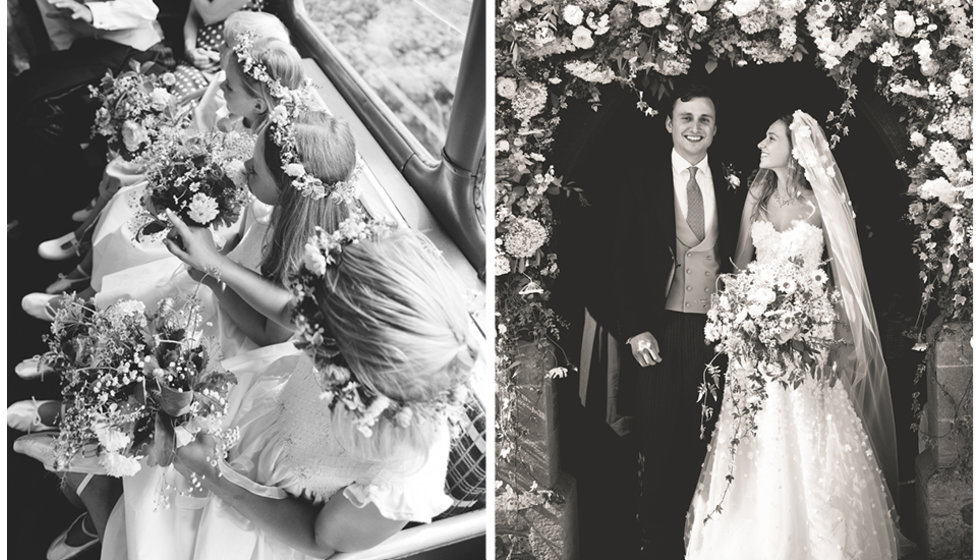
(944, 481)
(536, 525)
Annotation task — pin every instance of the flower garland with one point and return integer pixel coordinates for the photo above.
(282, 118)
(549, 52)
(340, 384)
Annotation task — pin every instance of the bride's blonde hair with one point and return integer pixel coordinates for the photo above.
(399, 316)
(767, 177)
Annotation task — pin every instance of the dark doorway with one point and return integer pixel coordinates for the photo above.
(593, 147)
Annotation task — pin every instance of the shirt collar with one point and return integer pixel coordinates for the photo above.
(681, 165)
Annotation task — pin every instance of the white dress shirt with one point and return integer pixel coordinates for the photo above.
(128, 22)
(680, 168)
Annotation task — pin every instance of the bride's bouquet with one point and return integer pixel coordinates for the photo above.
(777, 318)
(201, 179)
(775, 323)
(135, 383)
(135, 107)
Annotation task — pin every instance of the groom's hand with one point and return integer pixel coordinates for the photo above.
(646, 349)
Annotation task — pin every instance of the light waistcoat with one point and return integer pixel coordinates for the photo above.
(695, 267)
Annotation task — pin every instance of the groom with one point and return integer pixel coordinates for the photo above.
(677, 232)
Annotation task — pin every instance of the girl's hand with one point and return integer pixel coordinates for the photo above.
(203, 59)
(193, 245)
(196, 457)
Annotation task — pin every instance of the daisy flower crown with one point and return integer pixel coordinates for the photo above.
(341, 386)
(292, 103)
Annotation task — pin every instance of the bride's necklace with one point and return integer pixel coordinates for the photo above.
(783, 203)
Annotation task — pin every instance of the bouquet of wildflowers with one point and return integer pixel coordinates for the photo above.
(201, 179)
(135, 107)
(775, 321)
(131, 379)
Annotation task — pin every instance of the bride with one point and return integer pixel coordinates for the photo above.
(810, 482)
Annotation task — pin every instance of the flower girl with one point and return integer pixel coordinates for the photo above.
(247, 306)
(342, 446)
(123, 182)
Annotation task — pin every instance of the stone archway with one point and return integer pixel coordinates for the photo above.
(589, 143)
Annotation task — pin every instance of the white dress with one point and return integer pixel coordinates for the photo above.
(286, 450)
(166, 276)
(807, 485)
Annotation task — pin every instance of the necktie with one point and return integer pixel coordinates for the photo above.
(695, 205)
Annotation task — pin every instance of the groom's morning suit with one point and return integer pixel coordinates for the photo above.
(671, 245)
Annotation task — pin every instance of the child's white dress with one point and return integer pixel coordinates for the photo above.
(167, 276)
(286, 450)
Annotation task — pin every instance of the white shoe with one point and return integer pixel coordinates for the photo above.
(59, 249)
(83, 214)
(33, 368)
(24, 416)
(40, 305)
(40, 446)
(61, 550)
(64, 283)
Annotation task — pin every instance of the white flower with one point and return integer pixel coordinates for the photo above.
(699, 23)
(743, 7)
(590, 71)
(294, 169)
(650, 18)
(573, 15)
(530, 99)
(279, 114)
(524, 237)
(756, 309)
(506, 87)
(959, 83)
(235, 170)
(112, 439)
(168, 79)
(764, 295)
(404, 416)
(379, 405)
(944, 154)
(119, 465)
(923, 49)
(904, 23)
(134, 135)
(313, 259)
(160, 99)
(202, 209)
(582, 38)
(704, 5)
(501, 265)
(938, 188)
(917, 139)
(820, 277)
(787, 285)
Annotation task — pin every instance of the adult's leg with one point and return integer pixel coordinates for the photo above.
(668, 425)
(607, 478)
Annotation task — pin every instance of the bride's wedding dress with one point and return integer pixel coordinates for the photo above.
(807, 485)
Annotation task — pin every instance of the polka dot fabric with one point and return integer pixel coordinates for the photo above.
(209, 37)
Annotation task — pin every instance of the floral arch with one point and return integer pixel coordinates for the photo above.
(551, 52)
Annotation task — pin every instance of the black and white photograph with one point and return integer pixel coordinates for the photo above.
(733, 264)
(247, 312)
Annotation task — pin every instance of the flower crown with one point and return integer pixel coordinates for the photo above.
(282, 117)
(341, 385)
